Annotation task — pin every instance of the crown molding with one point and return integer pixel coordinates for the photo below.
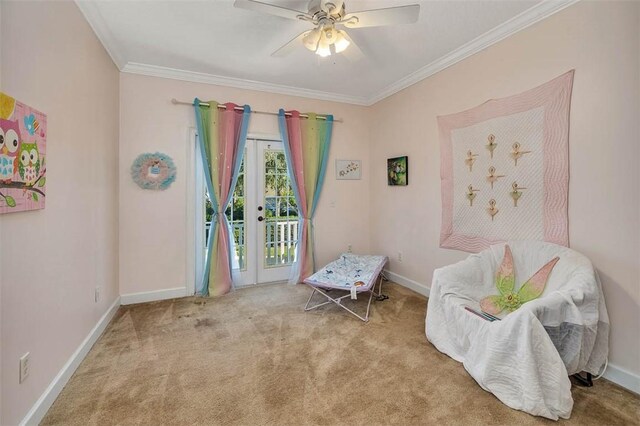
(536, 13)
(519, 22)
(96, 22)
(239, 83)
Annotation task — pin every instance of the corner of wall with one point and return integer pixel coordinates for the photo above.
(78, 259)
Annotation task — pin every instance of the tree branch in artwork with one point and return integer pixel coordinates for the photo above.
(11, 202)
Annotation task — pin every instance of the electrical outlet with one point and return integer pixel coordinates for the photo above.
(349, 248)
(24, 367)
(98, 294)
(399, 256)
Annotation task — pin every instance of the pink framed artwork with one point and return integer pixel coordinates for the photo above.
(505, 169)
(23, 140)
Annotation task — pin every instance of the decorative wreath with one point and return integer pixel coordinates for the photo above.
(153, 171)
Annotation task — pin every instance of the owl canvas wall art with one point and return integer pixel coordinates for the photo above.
(29, 163)
(23, 138)
(9, 149)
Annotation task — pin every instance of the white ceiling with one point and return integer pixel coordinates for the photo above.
(215, 42)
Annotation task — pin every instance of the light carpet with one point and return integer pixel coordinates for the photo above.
(254, 357)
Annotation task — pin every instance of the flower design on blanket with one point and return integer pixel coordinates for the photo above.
(506, 281)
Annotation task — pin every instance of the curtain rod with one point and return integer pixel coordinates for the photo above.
(239, 108)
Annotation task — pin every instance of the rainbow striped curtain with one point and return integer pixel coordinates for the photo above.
(306, 144)
(222, 135)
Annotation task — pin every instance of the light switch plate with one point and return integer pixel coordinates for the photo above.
(24, 367)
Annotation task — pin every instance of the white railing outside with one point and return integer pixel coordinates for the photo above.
(281, 237)
(283, 242)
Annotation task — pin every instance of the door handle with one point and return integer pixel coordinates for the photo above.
(260, 218)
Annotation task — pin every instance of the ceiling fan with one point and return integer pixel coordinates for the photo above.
(327, 16)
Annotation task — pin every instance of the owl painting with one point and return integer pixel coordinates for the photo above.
(29, 164)
(9, 149)
(23, 155)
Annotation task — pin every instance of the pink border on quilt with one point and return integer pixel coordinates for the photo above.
(555, 97)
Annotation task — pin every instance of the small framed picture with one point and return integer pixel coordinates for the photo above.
(348, 169)
(398, 171)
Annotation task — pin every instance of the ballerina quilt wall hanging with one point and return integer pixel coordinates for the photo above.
(505, 169)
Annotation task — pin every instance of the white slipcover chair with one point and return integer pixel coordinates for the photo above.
(526, 358)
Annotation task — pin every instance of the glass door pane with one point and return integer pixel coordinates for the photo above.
(236, 216)
(236, 213)
(281, 211)
(263, 216)
(278, 221)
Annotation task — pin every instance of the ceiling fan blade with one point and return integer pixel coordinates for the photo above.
(290, 46)
(353, 52)
(379, 17)
(271, 9)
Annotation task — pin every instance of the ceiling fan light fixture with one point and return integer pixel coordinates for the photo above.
(324, 49)
(311, 39)
(329, 35)
(341, 42)
(330, 41)
(327, 16)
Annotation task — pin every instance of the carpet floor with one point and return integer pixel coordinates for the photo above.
(255, 357)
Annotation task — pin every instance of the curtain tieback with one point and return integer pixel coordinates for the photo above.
(216, 216)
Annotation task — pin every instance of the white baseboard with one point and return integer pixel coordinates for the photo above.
(46, 400)
(622, 377)
(153, 296)
(409, 283)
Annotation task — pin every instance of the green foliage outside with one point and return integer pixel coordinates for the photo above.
(279, 203)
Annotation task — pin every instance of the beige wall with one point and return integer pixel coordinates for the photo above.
(601, 41)
(52, 259)
(48, 309)
(153, 224)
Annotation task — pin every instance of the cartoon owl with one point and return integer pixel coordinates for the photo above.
(9, 149)
(29, 165)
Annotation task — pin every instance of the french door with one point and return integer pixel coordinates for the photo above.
(263, 216)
